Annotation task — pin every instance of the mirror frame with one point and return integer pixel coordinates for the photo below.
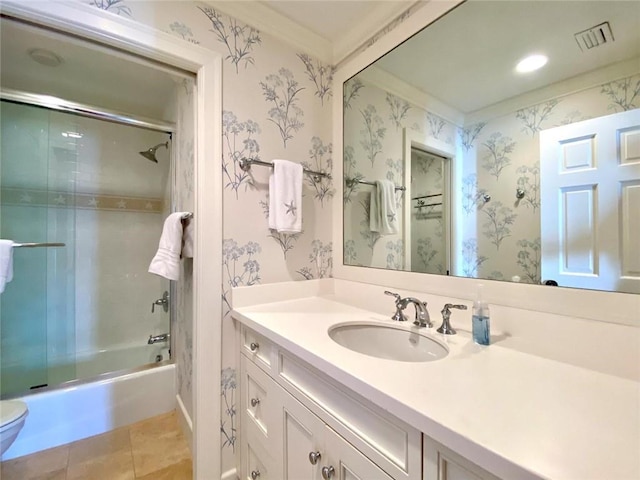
(610, 307)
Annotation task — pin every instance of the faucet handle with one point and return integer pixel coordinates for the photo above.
(398, 316)
(393, 294)
(446, 327)
(451, 305)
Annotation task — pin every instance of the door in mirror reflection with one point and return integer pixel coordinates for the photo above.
(590, 187)
(428, 207)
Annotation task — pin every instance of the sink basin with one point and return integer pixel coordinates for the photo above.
(388, 342)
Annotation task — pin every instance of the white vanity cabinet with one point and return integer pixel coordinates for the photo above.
(441, 463)
(298, 424)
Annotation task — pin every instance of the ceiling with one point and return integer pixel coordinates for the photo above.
(89, 74)
(331, 19)
(330, 30)
(467, 58)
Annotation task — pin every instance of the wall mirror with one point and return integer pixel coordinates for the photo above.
(499, 171)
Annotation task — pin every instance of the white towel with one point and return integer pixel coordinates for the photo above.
(285, 197)
(166, 262)
(187, 237)
(6, 263)
(383, 217)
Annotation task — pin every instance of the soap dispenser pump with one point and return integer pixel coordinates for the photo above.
(480, 324)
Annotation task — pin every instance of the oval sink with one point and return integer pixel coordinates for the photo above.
(388, 342)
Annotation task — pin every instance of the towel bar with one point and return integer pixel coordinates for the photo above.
(352, 181)
(245, 165)
(37, 245)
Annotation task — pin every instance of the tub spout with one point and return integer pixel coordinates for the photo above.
(158, 338)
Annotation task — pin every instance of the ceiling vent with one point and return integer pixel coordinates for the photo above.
(594, 36)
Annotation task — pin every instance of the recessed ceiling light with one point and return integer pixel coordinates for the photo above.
(531, 63)
(45, 57)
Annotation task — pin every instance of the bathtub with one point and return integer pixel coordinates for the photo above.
(87, 407)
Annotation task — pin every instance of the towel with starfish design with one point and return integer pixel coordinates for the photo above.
(285, 197)
(382, 211)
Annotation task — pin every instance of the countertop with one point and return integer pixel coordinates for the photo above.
(517, 415)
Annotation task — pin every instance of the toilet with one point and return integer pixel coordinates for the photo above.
(12, 416)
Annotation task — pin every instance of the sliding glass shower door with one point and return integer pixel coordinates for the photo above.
(37, 320)
(83, 309)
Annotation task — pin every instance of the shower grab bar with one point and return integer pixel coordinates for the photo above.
(37, 245)
(352, 181)
(245, 165)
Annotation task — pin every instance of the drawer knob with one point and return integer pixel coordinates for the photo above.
(254, 346)
(255, 402)
(255, 474)
(328, 472)
(314, 457)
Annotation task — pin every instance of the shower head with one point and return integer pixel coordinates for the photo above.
(151, 153)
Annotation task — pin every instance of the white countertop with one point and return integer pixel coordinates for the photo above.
(517, 415)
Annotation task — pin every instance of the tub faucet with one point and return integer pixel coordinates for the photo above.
(164, 337)
(422, 318)
(446, 327)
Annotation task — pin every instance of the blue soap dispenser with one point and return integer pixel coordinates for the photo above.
(480, 324)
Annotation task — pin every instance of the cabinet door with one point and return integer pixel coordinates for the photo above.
(344, 462)
(441, 463)
(256, 463)
(302, 441)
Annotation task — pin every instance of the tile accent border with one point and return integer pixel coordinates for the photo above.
(89, 201)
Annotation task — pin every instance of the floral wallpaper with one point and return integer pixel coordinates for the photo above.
(502, 236)
(373, 138)
(277, 105)
(499, 232)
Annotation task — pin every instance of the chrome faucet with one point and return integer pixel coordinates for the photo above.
(163, 302)
(422, 318)
(164, 337)
(446, 327)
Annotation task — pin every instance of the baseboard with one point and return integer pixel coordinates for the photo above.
(185, 422)
(230, 475)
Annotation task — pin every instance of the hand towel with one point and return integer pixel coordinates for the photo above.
(187, 236)
(6, 263)
(285, 197)
(166, 262)
(382, 213)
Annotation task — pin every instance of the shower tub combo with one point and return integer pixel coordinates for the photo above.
(76, 318)
(83, 408)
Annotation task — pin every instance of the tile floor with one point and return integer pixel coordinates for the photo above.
(154, 449)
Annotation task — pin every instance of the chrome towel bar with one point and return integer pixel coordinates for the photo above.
(245, 165)
(37, 245)
(352, 181)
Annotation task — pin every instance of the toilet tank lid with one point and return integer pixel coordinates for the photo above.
(11, 410)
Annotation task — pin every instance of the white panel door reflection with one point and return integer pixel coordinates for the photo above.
(590, 203)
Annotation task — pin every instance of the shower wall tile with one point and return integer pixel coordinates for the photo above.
(114, 291)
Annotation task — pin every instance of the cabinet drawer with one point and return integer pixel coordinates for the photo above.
(257, 402)
(390, 443)
(257, 348)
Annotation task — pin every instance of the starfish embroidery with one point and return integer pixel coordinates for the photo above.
(392, 217)
(122, 204)
(60, 200)
(291, 208)
(93, 202)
